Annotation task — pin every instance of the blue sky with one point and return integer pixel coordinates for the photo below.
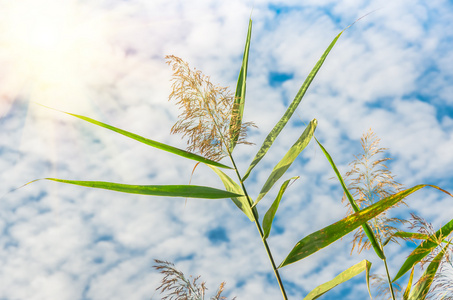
(392, 72)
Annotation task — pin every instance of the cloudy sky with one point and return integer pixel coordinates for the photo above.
(392, 72)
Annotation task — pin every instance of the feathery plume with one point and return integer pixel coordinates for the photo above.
(178, 287)
(207, 111)
(370, 180)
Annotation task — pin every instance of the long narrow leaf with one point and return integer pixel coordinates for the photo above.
(231, 186)
(411, 235)
(423, 285)
(291, 109)
(344, 276)
(239, 97)
(409, 286)
(326, 236)
(188, 191)
(270, 214)
(424, 249)
(406, 235)
(288, 159)
(366, 228)
(149, 142)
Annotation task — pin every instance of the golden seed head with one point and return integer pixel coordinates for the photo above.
(207, 111)
(370, 181)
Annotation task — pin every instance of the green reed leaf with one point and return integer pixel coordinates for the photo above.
(408, 235)
(291, 109)
(411, 235)
(231, 186)
(149, 142)
(270, 214)
(326, 236)
(424, 249)
(344, 276)
(288, 159)
(187, 191)
(409, 286)
(239, 97)
(422, 287)
(366, 228)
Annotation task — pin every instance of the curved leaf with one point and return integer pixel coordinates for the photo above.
(231, 186)
(344, 276)
(423, 285)
(289, 112)
(424, 249)
(324, 237)
(188, 191)
(411, 235)
(270, 214)
(239, 97)
(409, 285)
(149, 142)
(366, 228)
(406, 235)
(288, 159)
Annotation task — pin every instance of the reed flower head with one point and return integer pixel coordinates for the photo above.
(178, 287)
(370, 181)
(442, 285)
(207, 111)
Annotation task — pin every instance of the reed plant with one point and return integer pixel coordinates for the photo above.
(369, 181)
(212, 121)
(178, 287)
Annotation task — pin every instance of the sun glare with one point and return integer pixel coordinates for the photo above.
(50, 43)
(49, 51)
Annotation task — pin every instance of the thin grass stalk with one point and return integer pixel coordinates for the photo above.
(389, 279)
(217, 127)
(260, 230)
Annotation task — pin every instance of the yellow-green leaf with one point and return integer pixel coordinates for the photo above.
(366, 228)
(230, 185)
(188, 191)
(423, 285)
(411, 235)
(409, 286)
(424, 249)
(291, 109)
(288, 159)
(239, 97)
(270, 214)
(344, 276)
(149, 142)
(324, 237)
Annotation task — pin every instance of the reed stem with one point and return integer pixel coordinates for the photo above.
(389, 279)
(260, 230)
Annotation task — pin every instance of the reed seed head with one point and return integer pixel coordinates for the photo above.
(207, 111)
(178, 287)
(442, 285)
(369, 181)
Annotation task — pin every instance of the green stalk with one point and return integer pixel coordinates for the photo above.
(260, 230)
(253, 209)
(389, 279)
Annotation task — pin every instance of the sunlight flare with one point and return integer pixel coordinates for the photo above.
(49, 45)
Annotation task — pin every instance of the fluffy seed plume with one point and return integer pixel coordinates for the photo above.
(178, 287)
(207, 111)
(442, 285)
(370, 181)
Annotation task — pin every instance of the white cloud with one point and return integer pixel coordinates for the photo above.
(64, 242)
